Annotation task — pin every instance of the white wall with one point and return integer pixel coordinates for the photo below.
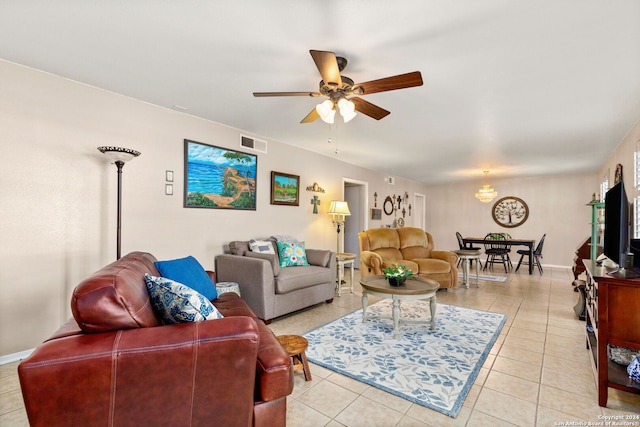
(624, 155)
(58, 197)
(58, 194)
(556, 207)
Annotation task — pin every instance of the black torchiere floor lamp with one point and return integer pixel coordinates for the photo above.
(119, 156)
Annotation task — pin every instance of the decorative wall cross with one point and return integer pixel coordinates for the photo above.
(315, 202)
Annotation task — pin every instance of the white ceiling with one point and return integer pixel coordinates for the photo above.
(519, 88)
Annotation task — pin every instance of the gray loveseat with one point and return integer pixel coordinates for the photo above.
(272, 291)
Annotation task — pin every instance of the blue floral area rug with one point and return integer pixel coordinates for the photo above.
(435, 368)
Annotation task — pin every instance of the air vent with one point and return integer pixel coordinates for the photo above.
(253, 144)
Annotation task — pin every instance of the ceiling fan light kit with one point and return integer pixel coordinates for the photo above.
(347, 109)
(326, 111)
(339, 88)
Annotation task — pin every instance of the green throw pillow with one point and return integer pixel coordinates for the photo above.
(292, 254)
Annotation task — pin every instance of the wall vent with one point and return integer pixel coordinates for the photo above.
(253, 144)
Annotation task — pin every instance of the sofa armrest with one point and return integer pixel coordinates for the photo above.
(447, 256)
(212, 275)
(372, 262)
(273, 259)
(118, 377)
(320, 257)
(255, 278)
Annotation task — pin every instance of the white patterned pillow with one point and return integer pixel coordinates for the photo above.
(174, 302)
(261, 246)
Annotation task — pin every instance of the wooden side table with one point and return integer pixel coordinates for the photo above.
(468, 255)
(342, 260)
(296, 346)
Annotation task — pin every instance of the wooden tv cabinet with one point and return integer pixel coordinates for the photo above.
(613, 313)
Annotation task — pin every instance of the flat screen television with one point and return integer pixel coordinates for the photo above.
(616, 223)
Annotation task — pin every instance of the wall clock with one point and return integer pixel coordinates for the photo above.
(510, 212)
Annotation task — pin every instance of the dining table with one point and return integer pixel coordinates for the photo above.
(530, 244)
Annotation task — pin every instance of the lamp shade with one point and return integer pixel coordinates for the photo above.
(326, 111)
(347, 109)
(339, 208)
(116, 154)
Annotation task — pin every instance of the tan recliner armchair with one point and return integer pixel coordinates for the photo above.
(413, 247)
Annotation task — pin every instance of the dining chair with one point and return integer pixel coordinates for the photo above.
(508, 237)
(537, 255)
(497, 251)
(468, 247)
(463, 245)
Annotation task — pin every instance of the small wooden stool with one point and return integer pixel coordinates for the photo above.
(295, 346)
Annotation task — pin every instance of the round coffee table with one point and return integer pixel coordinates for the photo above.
(414, 288)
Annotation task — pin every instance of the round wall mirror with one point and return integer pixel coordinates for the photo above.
(388, 205)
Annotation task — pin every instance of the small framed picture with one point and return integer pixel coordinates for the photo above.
(168, 176)
(285, 189)
(376, 213)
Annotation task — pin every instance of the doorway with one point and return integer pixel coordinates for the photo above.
(355, 193)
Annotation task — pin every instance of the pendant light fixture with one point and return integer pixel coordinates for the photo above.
(486, 193)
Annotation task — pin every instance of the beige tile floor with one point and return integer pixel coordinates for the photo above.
(538, 372)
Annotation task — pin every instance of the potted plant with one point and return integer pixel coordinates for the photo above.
(397, 274)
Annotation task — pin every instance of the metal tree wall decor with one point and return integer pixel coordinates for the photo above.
(510, 212)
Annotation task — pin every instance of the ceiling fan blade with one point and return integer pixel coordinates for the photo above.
(328, 66)
(311, 117)
(400, 81)
(261, 94)
(369, 109)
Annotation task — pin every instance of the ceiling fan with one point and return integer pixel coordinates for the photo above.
(340, 90)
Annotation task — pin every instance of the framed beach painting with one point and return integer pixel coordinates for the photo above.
(285, 189)
(218, 178)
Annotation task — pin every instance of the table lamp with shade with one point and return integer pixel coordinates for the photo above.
(338, 211)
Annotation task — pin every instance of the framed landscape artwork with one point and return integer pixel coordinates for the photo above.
(285, 189)
(218, 178)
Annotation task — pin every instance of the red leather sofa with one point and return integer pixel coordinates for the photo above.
(113, 364)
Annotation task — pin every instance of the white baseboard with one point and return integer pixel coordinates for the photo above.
(9, 358)
(559, 267)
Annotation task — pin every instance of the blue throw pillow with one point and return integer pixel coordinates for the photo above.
(292, 254)
(174, 302)
(188, 271)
